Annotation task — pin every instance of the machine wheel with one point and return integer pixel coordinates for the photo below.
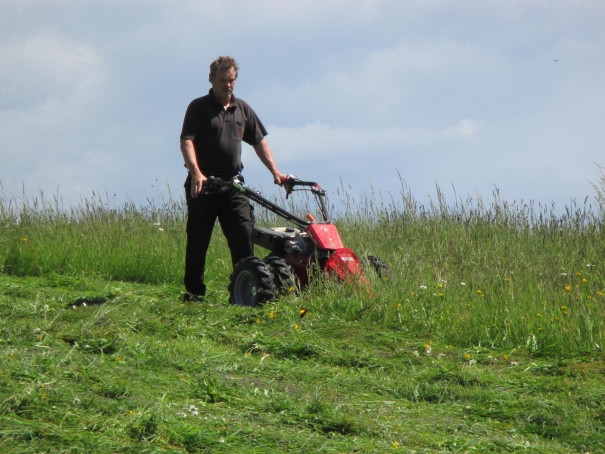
(380, 267)
(283, 277)
(252, 283)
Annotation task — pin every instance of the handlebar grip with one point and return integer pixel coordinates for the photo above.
(218, 181)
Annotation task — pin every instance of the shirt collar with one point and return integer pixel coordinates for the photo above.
(216, 101)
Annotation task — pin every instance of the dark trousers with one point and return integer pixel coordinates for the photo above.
(232, 209)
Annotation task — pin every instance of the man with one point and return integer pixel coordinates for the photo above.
(213, 130)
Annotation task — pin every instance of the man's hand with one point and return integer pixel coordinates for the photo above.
(197, 184)
(197, 179)
(279, 178)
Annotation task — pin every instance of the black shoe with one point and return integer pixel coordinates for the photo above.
(194, 298)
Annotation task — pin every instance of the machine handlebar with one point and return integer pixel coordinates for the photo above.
(215, 181)
(289, 183)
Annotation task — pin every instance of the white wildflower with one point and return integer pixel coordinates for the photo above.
(423, 287)
(76, 401)
(472, 362)
(161, 229)
(415, 353)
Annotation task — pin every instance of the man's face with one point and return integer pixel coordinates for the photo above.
(223, 83)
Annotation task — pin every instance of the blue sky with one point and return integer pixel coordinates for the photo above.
(465, 93)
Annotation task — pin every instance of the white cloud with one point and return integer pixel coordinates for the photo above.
(464, 91)
(50, 88)
(44, 68)
(321, 140)
(465, 128)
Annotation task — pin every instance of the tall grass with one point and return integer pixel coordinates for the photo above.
(475, 272)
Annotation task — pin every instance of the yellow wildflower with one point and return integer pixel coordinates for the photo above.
(271, 315)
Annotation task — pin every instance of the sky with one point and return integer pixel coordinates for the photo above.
(468, 95)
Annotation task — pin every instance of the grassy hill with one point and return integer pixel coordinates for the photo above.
(487, 336)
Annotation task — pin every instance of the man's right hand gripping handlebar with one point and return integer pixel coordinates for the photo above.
(287, 183)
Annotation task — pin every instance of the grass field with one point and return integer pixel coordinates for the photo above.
(486, 337)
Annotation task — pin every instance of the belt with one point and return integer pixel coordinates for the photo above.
(220, 176)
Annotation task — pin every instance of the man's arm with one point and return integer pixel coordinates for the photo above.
(197, 179)
(264, 153)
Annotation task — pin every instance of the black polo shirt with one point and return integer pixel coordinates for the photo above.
(217, 133)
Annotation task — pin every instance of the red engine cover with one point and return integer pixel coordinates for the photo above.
(344, 263)
(326, 236)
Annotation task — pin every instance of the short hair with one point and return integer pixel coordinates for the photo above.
(224, 63)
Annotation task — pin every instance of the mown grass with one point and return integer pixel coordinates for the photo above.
(486, 336)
